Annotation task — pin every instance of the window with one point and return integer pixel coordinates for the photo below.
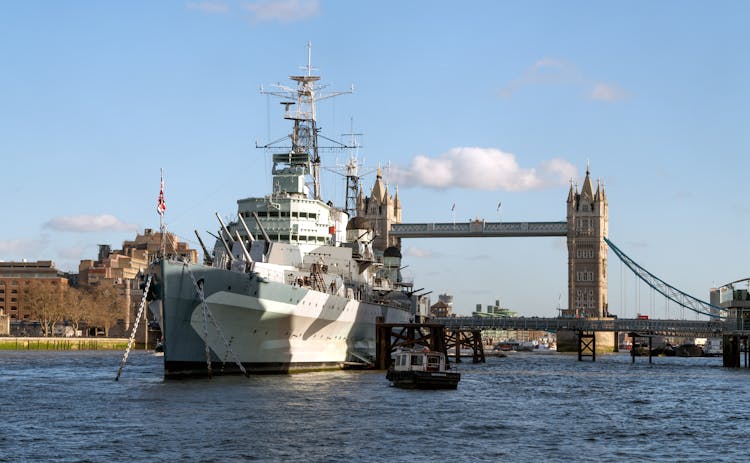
(416, 360)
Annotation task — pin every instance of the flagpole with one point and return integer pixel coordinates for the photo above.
(160, 208)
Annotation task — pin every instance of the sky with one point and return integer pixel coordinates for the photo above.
(468, 103)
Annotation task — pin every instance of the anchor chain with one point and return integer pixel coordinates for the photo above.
(135, 327)
(208, 315)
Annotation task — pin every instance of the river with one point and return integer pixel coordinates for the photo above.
(65, 406)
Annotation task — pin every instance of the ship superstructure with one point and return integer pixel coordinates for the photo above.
(292, 282)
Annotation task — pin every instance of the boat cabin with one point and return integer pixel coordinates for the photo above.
(419, 360)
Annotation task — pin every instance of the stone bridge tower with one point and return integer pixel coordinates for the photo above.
(381, 210)
(588, 223)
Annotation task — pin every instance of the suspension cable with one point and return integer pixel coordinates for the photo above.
(681, 298)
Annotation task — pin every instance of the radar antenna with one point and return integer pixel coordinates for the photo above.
(303, 154)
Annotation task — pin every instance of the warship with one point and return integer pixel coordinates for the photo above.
(292, 283)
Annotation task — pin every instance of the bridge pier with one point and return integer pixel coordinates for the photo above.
(587, 345)
(466, 338)
(731, 351)
(633, 350)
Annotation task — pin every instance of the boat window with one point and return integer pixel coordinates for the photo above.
(284, 214)
(313, 215)
(303, 214)
(283, 237)
(433, 360)
(273, 214)
(416, 360)
(295, 214)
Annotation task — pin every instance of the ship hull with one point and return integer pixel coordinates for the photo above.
(266, 326)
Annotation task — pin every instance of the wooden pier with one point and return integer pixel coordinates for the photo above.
(392, 336)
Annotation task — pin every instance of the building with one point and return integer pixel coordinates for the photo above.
(588, 223)
(123, 268)
(381, 210)
(441, 309)
(16, 277)
(493, 311)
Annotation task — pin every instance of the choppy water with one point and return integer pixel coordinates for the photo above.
(66, 407)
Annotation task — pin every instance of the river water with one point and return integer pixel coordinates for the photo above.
(66, 407)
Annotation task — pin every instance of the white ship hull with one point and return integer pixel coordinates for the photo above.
(266, 326)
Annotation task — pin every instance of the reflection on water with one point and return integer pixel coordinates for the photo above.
(66, 406)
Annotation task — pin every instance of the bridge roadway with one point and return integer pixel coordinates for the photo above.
(683, 328)
(477, 228)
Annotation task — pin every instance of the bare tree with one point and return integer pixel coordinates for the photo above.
(46, 301)
(78, 307)
(108, 305)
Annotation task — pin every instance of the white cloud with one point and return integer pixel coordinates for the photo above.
(282, 10)
(553, 71)
(22, 247)
(481, 169)
(412, 251)
(208, 7)
(90, 223)
(607, 92)
(545, 71)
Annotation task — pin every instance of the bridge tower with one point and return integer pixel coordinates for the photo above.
(381, 210)
(588, 224)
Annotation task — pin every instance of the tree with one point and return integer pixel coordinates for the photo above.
(78, 307)
(108, 304)
(45, 299)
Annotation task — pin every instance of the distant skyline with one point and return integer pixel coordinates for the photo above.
(481, 110)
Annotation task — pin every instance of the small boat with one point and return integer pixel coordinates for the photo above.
(421, 369)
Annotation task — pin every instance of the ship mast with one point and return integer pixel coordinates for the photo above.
(303, 157)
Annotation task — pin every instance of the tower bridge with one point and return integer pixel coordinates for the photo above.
(586, 227)
(586, 230)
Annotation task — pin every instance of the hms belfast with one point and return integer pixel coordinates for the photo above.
(293, 283)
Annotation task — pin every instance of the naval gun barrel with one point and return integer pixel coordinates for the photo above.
(260, 225)
(207, 259)
(224, 227)
(224, 242)
(244, 225)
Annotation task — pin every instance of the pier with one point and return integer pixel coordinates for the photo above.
(435, 336)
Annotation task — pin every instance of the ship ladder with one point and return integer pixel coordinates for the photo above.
(208, 316)
(367, 359)
(316, 278)
(135, 327)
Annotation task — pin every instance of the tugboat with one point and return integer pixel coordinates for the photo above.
(421, 369)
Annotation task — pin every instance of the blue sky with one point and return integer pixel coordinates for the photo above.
(511, 99)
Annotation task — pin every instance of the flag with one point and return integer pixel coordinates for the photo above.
(453, 207)
(498, 206)
(160, 205)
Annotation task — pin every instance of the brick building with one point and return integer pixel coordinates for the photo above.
(15, 279)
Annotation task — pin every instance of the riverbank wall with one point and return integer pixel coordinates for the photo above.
(57, 343)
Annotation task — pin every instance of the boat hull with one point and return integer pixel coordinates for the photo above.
(424, 379)
(266, 326)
